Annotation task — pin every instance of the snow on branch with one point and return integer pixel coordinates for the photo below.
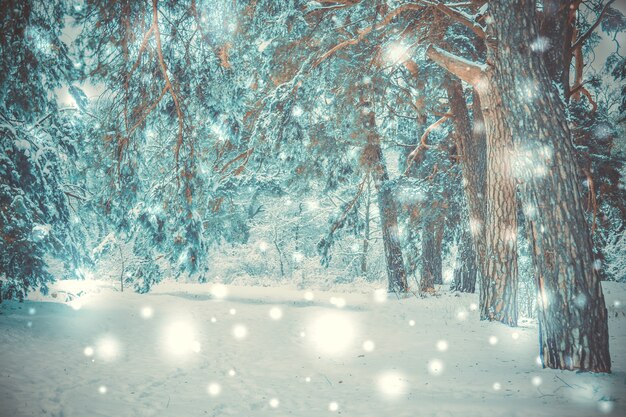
(468, 71)
(463, 18)
(364, 32)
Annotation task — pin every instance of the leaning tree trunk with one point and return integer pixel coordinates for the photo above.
(498, 290)
(573, 326)
(389, 224)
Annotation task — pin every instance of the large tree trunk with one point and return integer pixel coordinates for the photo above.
(498, 290)
(572, 315)
(556, 30)
(499, 294)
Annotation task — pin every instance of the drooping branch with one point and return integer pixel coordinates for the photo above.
(168, 83)
(147, 111)
(142, 47)
(593, 27)
(468, 71)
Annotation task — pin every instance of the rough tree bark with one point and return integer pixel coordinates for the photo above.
(573, 330)
(498, 292)
(572, 314)
(471, 147)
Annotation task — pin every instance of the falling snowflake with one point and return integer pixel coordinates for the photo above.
(240, 331)
(541, 44)
(368, 346)
(392, 384)
(219, 291)
(147, 312)
(179, 339)
(297, 111)
(442, 345)
(435, 367)
(332, 333)
(108, 348)
(214, 389)
(276, 313)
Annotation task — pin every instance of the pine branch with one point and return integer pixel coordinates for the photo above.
(593, 27)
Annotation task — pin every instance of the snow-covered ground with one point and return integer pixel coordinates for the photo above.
(202, 350)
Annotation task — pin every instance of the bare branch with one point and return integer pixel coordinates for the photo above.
(593, 27)
(423, 145)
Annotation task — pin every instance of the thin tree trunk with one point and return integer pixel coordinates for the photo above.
(466, 272)
(431, 257)
(366, 233)
(439, 230)
(280, 252)
(373, 160)
(123, 267)
(389, 225)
